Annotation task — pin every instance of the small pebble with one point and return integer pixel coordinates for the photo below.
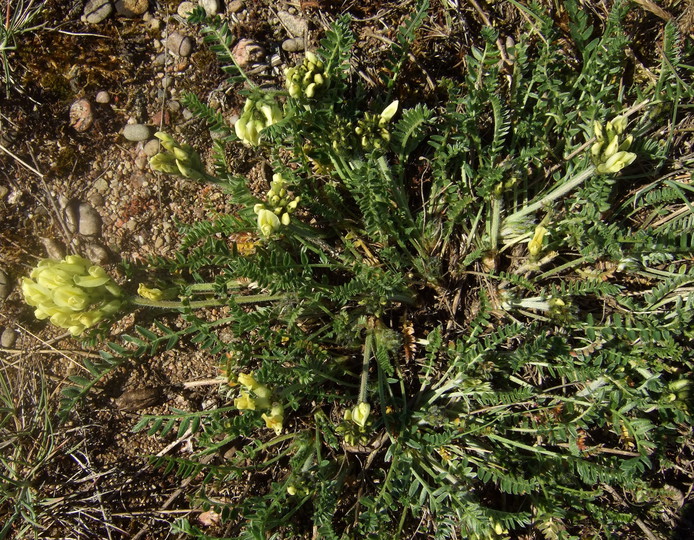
(96, 200)
(161, 118)
(151, 148)
(103, 97)
(96, 11)
(160, 60)
(5, 285)
(293, 44)
(8, 338)
(296, 26)
(4, 191)
(131, 8)
(174, 106)
(247, 51)
(211, 7)
(89, 220)
(185, 9)
(72, 216)
(235, 6)
(97, 254)
(136, 132)
(81, 116)
(179, 44)
(101, 185)
(54, 248)
(141, 162)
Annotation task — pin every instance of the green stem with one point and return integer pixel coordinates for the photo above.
(176, 304)
(210, 286)
(368, 347)
(553, 195)
(496, 222)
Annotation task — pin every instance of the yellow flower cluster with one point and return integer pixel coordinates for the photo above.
(373, 131)
(260, 401)
(608, 152)
(281, 205)
(355, 424)
(177, 158)
(72, 293)
(257, 115)
(307, 79)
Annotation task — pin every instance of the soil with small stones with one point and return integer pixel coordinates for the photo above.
(71, 182)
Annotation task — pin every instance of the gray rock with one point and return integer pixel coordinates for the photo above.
(151, 148)
(136, 132)
(211, 7)
(185, 9)
(293, 44)
(294, 25)
(5, 285)
(101, 185)
(72, 216)
(96, 11)
(8, 338)
(96, 200)
(179, 44)
(235, 6)
(160, 59)
(97, 254)
(103, 97)
(89, 220)
(131, 8)
(54, 248)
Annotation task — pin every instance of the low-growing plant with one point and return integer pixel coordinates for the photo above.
(18, 17)
(467, 318)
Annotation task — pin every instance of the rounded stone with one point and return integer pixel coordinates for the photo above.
(54, 248)
(295, 26)
(103, 97)
(8, 338)
(136, 132)
(211, 7)
(97, 254)
(185, 9)
(71, 214)
(179, 44)
(293, 45)
(96, 11)
(131, 8)
(151, 148)
(81, 116)
(247, 51)
(5, 285)
(89, 220)
(235, 6)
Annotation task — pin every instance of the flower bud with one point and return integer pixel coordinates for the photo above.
(535, 245)
(268, 222)
(360, 414)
